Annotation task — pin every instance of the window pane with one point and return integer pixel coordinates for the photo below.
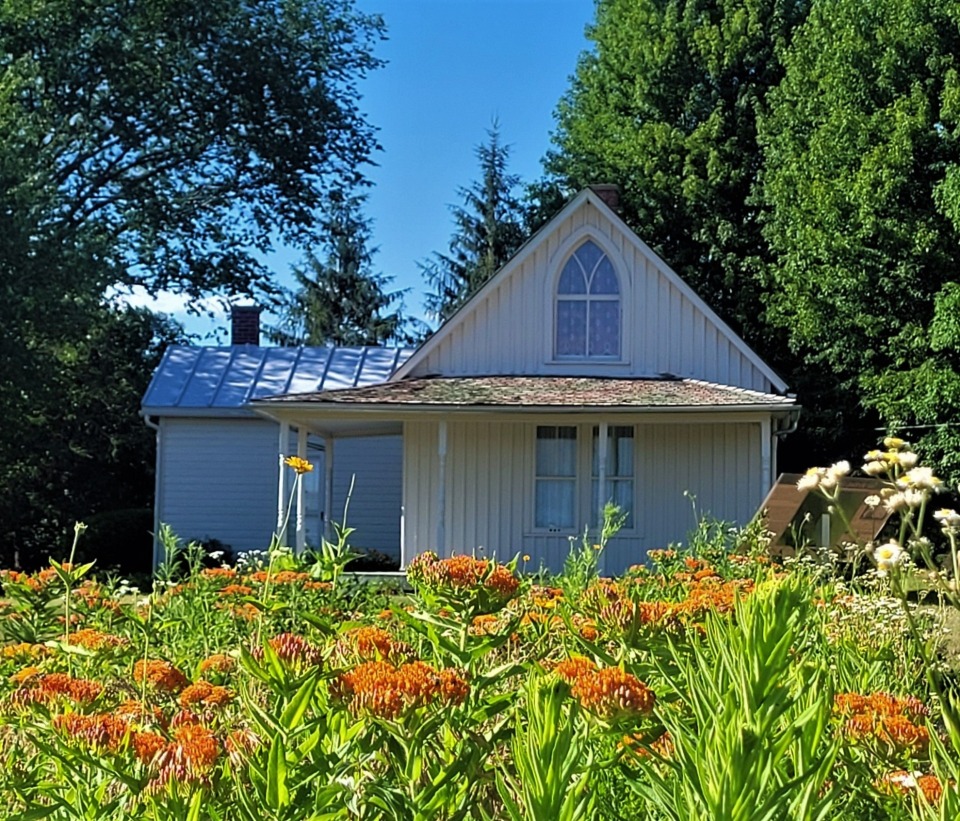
(589, 255)
(604, 279)
(620, 453)
(572, 280)
(556, 451)
(554, 503)
(604, 328)
(572, 327)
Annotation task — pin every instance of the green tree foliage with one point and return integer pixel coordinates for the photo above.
(75, 446)
(155, 143)
(861, 178)
(339, 299)
(666, 106)
(489, 229)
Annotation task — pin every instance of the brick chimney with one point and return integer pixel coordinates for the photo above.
(609, 193)
(245, 324)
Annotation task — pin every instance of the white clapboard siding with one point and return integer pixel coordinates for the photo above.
(218, 480)
(508, 328)
(489, 487)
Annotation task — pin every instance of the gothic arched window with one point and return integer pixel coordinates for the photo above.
(588, 306)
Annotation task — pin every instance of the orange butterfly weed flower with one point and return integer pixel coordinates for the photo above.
(903, 782)
(205, 694)
(104, 733)
(571, 669)
(25, 651)
(186, 760)
(161, 675)
(294, 650)
(147, 746)
(612, 693)
(372, 644)
(96, 640)
(240, 745)
(26, 674)
(235, 590)
(218, 663)
(46, 688)
(485, 625)
(385, 691)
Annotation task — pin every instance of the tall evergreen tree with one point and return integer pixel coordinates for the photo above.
(489, 229)
(339, 299)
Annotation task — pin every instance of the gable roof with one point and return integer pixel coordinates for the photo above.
(220, 381)
(568, 393)
(585, 197)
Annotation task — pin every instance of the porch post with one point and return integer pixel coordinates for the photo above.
(602, 472)
(442, 490)
(327, 486)
(284, 443)
(301, 538)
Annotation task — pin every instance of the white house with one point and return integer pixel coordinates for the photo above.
(585, 371)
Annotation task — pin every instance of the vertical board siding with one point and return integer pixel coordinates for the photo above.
(374, 465)
(509, 330)
(490, 488)
(219, 480)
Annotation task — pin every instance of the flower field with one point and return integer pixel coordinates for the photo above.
(709, 684)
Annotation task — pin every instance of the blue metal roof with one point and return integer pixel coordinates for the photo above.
(221, 380)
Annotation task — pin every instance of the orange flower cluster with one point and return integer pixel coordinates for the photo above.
(46, 688)
(205, 694)
(380, 689)
(215, 573)
(372, 644)
(217, 663)
(25, 651)
(95, 597)
(96, 640)
(881, 717)
(460, 573)
(245, 611)
(236, 590)
(637, 744)
(485, 625)
(33, 581)
(659, 556)
(186, 760)
(903, 782)
(103, 733)
(294, 650)
(291, 577)
(612, 693)
(240, 745)
(160, 675)
(573, 668)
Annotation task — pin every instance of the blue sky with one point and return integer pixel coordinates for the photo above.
(452, 67)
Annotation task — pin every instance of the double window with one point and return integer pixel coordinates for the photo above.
(588, 306)
(571, 468)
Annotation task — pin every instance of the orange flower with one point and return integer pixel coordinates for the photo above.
(45, 689)
(25, 651)
(463, 573)
(236, 590)
(147, 746)
(104, 733)
(294, 650)
(613, 693)
(240, 744)
(186, 760)
(382, 690)
(217, 663)
(571, 669)
(95, 640)
(372, 644)
(903, 782)
(903, 734)
(205, 694)
(218, 573)
(487, 625)
(161, 675)
(25, 674)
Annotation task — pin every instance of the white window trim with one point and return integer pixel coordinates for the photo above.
(586, 506)
(555, 265)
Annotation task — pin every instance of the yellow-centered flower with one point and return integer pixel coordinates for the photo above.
(299, 465)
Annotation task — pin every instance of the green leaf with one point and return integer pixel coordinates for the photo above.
(278, 796)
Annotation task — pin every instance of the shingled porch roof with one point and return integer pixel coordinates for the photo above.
(540, 392)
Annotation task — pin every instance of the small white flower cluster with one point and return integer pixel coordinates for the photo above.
(253, 560)
(825, 479)
(124, 588)
(949, 521)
